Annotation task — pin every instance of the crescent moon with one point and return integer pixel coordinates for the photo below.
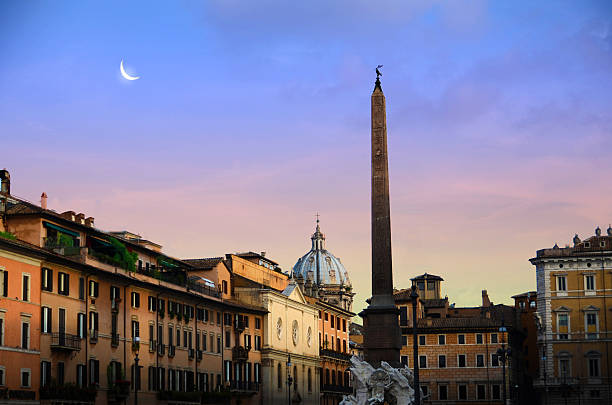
(125, 75)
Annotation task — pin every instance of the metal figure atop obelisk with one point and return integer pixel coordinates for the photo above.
(382, 333)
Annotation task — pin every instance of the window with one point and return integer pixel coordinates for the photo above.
(404, 340)
(494, 360)
(331, 321)
(257, 342)
(564, 367)
(561, 283)
(2, 374)
(204, 342)
(26, 374)
(404, 360)
(93, 289)
(45, 320)
(93, 321)
(325, 315)
(495, 391)
(403, 316)
(344, 325)
(593, 367)
(224, 286)
(425, 390)
(441, 339)
(442, 392)
(63, 283)
(279, 376)
(25, 284)
(115, 292)
(47, 279)
(479, 338)
(494, 338)
(563, 320)
(592, 325)
(422, 361)
(45, 373)
(421, 285)
(481, 391)
(422, 340)
(462, 392)
(94, 371)
(80, 375)
(441, 361)
(4, 283)
(431, 285)
(81, 325)
(227, 339)
(81, 289)
(135, 330)
(461, 339)
(178, 336)
(218, 343)
(135, 300)
(25, 335)
(1, 331)
(480, 360)
(309, 379)
(589, 282)
(461, 360)
(60, 373)
(257, 323)
(247, 341)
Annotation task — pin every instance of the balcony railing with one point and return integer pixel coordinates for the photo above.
(65, 341)
(336, 388)
(161, 349)
(240, 353)
(198, 355)
(246, 386)
(152, 346)
(171, 351)
(115, 304)
(334, 354)
(114, 339)
(191, 353)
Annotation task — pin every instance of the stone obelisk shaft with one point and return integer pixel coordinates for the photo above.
(382, 333)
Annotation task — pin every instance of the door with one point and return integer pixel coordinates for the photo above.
(62, 327)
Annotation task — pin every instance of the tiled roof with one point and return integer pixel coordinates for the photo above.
(435, 303)
(205, 263)
(428, 277)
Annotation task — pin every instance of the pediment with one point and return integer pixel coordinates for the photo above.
(562, 309)
(590, 308)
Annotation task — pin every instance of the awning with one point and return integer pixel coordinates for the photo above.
(166, 263)
(60, 229)
(100, 240)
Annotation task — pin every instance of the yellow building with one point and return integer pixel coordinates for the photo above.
(574, 320)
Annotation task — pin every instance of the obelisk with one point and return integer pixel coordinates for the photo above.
(382, 333)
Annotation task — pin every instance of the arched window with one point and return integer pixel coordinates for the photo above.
(279, 376)
(326, 376)
(333, 381)
(338, 347)
(344, 346)
(309, 380)
(347, 380)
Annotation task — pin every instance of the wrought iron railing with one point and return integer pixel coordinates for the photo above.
(244, 386)
(65, 341)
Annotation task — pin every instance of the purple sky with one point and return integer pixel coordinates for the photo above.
(249, 117)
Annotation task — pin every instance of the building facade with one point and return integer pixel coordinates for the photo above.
(458, 347)
(573, 305)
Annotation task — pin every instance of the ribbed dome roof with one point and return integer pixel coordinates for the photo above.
(319, 266)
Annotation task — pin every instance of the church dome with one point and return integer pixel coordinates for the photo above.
(319, 266)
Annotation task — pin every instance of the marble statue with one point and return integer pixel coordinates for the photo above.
(380, 385)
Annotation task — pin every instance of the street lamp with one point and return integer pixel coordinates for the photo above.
(415, 347)
(135, 349)
(289, 378)
(503, 354)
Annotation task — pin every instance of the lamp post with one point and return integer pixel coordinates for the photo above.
(503, 354)
(135, 349)
(289, 378)
(415, 347)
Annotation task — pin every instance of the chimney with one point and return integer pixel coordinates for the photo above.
(485, 299)
(80, 218)
(5, 178)
(89, 221)
(263, 254)
(43, 201)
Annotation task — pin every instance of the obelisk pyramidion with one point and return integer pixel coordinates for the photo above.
(382, 333)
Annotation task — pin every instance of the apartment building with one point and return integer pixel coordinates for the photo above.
(458, 347)
(573, 305)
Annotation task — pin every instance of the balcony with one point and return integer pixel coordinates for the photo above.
(337, 389)
(65, 342)
(199, 355)
(244, 386)
(114, 339)
(161, 349)
(171, 351)
(334, 354)
(93, 336)
(240, 353)
(191, 353)
(152, 346)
